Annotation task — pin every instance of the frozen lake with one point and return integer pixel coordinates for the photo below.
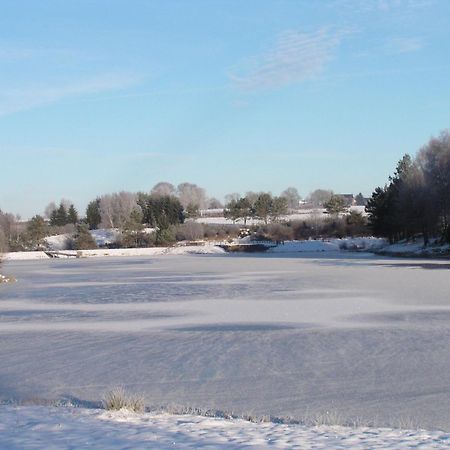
(358, 336)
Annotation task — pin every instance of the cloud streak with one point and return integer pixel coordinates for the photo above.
(400, 45)
(295, 57)
(17, 99)
(380, 6)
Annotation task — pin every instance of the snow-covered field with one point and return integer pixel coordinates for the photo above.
(306, 214)
(361, 337)
(64, 428)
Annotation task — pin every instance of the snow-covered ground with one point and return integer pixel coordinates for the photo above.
(69, 428)
(320, 245)
(306, 214)
(362, 337)
(416, 248)
(329, 245)
(115, 252)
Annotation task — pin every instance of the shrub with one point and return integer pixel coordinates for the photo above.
(165, 236)
(277, 232)
(135, 239)
(83, 239)
(216, 231)
(190, 231)
(118, 399)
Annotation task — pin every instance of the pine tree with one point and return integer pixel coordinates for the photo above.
(72, 215)
(93, 216)
(59, 216)
(279, 208)
(36, 230)
(263, 206)
(335, 205)
(192, 211)
(83, 239)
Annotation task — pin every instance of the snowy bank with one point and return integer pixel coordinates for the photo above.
(415, 248)
(37, 427)
(330, 245)
(152, 251)
(324, 245)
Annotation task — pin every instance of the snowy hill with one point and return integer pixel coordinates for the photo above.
(34, 427)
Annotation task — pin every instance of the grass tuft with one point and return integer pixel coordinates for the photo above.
(118, 399)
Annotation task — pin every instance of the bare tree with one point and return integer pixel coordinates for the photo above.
(189, 193)
(9, 227)
(163, 188)
(214, 203)
(116, 209)
(190, 231)
(3, 243)
(50, 209)
(234, 196)
(434, 160)
(319, 197)
(292, 196)
(252, 197)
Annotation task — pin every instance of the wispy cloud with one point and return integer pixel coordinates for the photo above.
(404, 45)
(295, 57)
(382, 6)
(14, 52)
(23, 98)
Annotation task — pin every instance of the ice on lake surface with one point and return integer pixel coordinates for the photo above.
(363, 337)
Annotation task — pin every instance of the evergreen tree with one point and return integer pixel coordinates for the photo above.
(93, 216)
(83, 240)
(72, 215)
(59, 216)
(36, 230)
(236, 209)
(192, 211)
(379, 211)
(335, 205)
(160, 211)
(263, 206)
(279, 208)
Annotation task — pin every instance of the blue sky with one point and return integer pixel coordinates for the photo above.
(99, 96)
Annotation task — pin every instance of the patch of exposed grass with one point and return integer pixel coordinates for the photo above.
(118, 398)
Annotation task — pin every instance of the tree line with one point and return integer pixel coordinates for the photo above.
(163, 209)
(416, 198)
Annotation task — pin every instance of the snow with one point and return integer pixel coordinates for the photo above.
(320, 245)
(58, 242)
(416, 248)
(290, 334)
(305, 214)
(115, 252)
(104, 237)
(327, 245)
(68, 428)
